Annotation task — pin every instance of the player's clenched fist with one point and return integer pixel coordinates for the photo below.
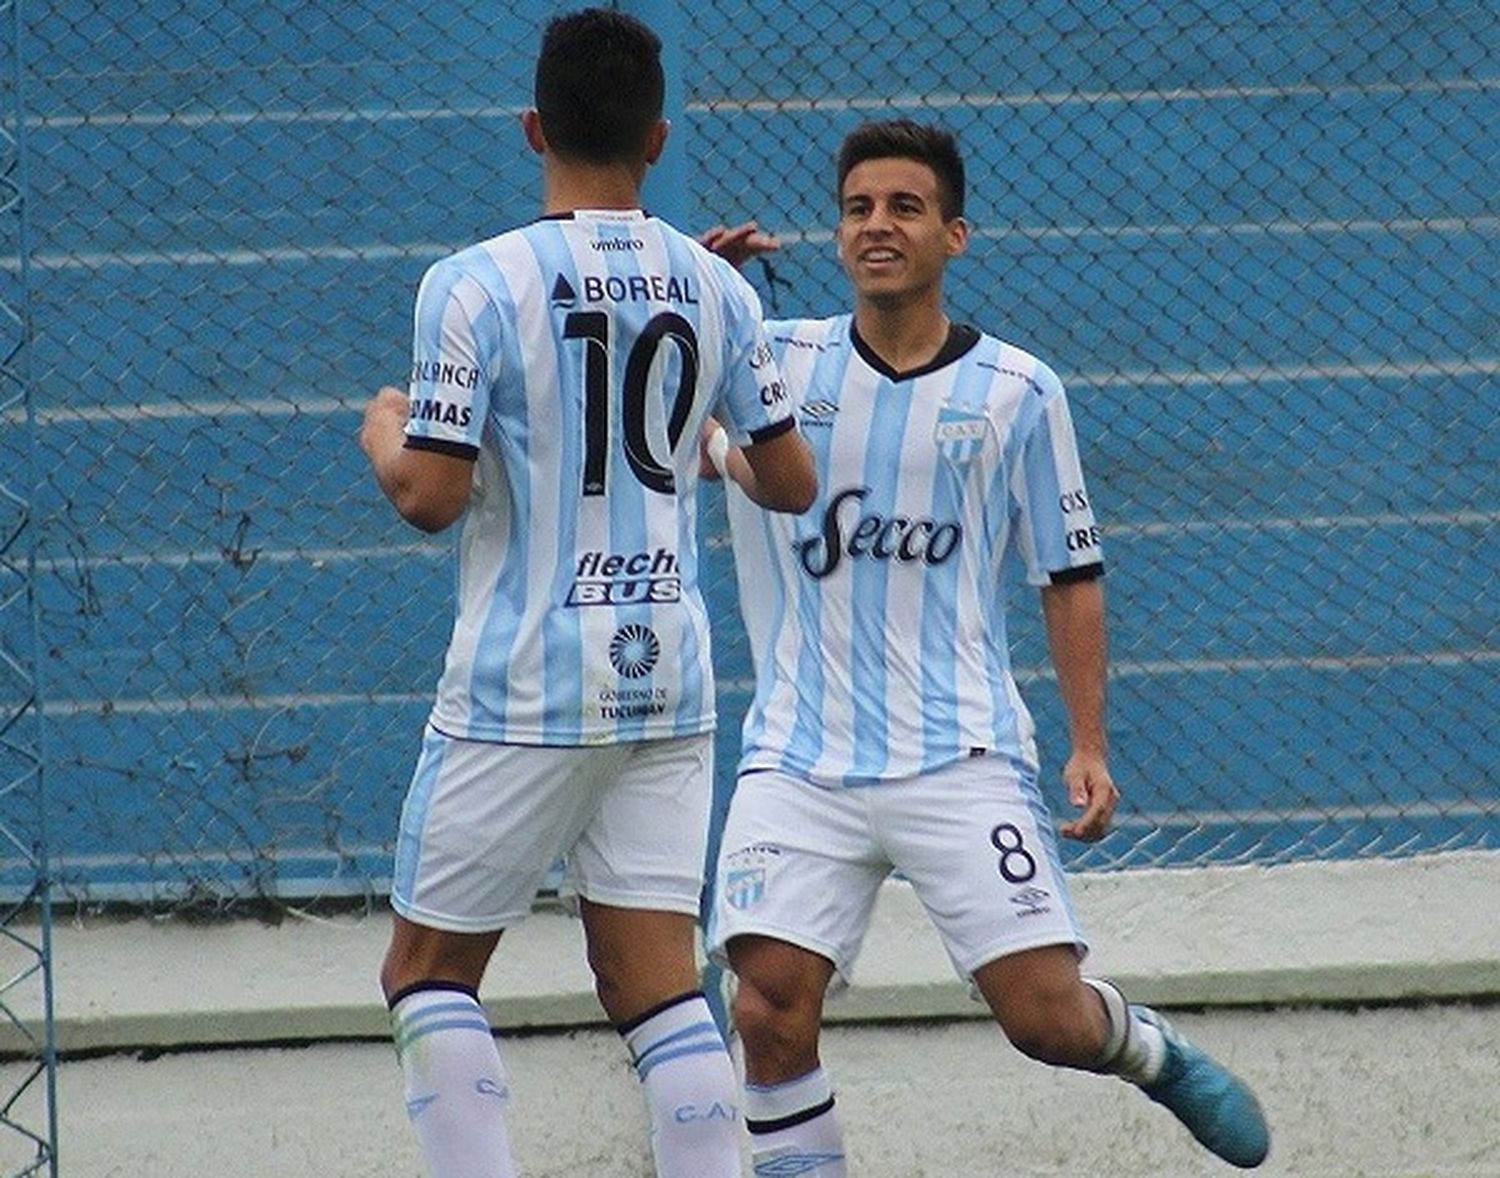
(386, 412)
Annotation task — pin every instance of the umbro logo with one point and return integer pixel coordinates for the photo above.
(1031, 901)
(791, 1164)
(819, 413)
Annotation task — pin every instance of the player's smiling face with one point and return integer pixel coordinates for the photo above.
(892, 238)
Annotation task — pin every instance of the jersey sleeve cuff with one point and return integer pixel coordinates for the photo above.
(774, 430)
(442, 446)
(1083, 572)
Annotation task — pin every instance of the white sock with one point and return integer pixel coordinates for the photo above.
(1135, 1049)
(794, 1128)
(456, 1087)
(690, 1089)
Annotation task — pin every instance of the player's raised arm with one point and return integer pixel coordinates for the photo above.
(739, 243)
(782, 472)
(776, 473)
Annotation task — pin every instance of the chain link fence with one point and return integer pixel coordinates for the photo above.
(1258, 241)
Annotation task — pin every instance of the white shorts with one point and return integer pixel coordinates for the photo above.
(803, 863)
(483, 823)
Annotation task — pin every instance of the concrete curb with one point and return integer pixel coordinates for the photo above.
(1321, 933)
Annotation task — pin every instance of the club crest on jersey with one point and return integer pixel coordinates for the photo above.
(745, 887)
(960, 433)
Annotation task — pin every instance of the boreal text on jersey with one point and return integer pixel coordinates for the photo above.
(639, 288)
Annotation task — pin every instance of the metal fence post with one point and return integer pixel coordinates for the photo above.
(26, 923)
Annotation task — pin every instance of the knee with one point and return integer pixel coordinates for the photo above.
(777, 1023)
(1061, 1027)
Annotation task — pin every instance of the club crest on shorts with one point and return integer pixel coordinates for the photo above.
(960, 433)
(744, 886)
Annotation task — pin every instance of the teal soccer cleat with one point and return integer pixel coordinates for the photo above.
(1217, 1107)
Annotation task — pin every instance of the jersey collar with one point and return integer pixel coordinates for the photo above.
(961, 339)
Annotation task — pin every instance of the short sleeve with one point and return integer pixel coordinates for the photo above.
(452, 360)
(754, 403)
(1056, 531)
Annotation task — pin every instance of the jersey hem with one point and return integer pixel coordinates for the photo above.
(482, 734)
(758, 763)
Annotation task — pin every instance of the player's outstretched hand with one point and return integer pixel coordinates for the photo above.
(1091, 789)
(739, 244)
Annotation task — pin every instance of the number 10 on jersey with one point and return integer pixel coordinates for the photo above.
(593, 328)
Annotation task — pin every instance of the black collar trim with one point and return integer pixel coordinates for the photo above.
(961, 340)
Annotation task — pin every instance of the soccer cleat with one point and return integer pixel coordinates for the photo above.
(1217, 1107)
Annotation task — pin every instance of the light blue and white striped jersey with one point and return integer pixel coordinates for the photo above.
(575, 360)
(877, 618)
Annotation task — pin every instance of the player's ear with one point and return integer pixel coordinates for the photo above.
(531, 127)
(958, 236)
(656, 140)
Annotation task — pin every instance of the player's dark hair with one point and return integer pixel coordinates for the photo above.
(599, 86)
(908, 140)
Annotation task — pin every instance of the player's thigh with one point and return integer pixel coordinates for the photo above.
(977, 843)
(798, 864)
(645, 845)
(483, 823)
(640, 958)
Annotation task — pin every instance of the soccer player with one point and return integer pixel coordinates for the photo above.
(561, 375)
(887, 732)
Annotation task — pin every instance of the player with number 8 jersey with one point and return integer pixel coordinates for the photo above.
(887, 734)
(880, 614)
(575, 360)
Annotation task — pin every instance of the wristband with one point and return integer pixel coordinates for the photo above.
(718, 451)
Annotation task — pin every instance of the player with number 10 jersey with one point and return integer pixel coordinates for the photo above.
(580, 619)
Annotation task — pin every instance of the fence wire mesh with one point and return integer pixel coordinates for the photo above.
(1257, 241)
(28, 1121)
